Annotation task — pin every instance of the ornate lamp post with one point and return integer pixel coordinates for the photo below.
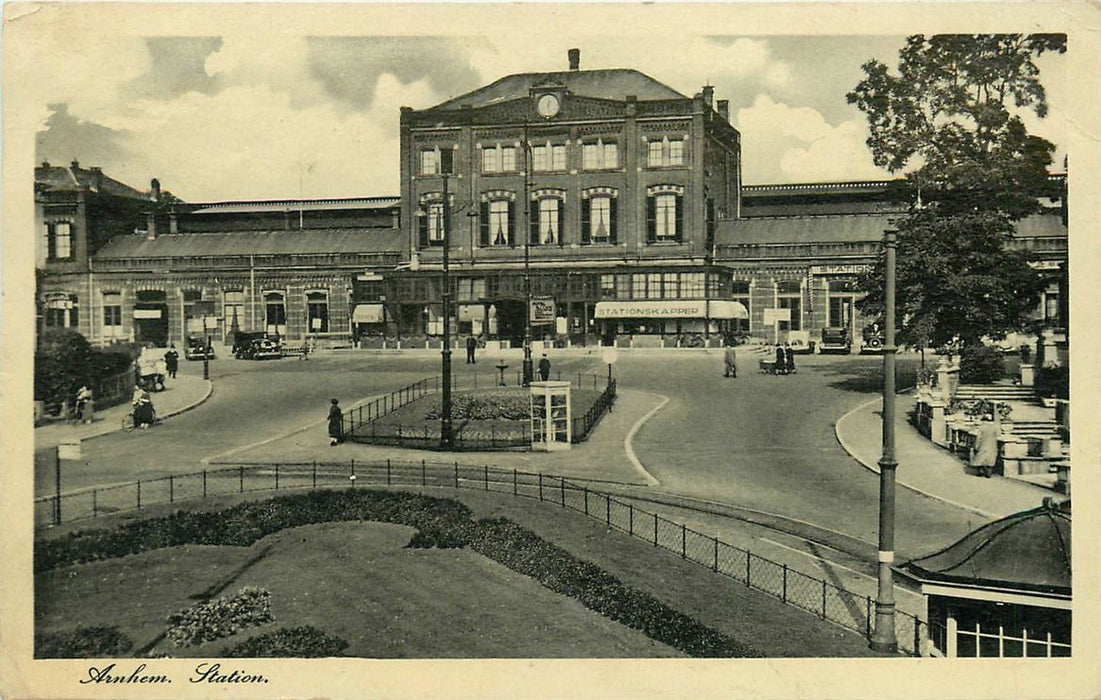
(447, 440)
(883, 635)
(526, 368)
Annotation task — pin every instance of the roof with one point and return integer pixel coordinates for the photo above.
(802, 229)
(1029, 550)
(257, 206)
(613, 83)
(297, 242)
(73, 177)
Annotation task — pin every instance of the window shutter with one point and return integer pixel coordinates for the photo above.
(51, 242)
(613, 220)
(483, 225)
(533, 222)
(651, 220)
(586, 206)
(512, 223)
(561, 220)
(679, 231)
(422, 228)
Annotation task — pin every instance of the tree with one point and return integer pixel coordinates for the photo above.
(61, 364)
(951, 117)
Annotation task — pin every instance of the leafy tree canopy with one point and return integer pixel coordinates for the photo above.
(952, 114)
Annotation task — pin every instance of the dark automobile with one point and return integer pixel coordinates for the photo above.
(873, 340)
(835, 340)
(260, 349)
(197, 349)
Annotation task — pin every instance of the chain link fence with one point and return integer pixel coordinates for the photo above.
(849, 609)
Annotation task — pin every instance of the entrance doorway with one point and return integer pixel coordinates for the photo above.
(511, 321)
(151, 318)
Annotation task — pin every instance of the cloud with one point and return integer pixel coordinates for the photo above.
(177, 67)
(781, 143)
(64, 138)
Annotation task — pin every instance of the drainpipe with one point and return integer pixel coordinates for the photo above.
(252, 292)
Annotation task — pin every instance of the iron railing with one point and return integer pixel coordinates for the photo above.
(849, 609)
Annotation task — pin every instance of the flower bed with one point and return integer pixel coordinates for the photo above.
(294, 643)
(223, 617)
(440, 523)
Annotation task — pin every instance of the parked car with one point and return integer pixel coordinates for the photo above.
(801, 344)
(873, 340)
(260, 349)
(197, 349)
(243, 339)
(835, 340)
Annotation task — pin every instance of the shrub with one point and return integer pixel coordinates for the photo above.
(296, 642)
(487, 406)
(82, 643)
(220, 618)
(1053, 382)
(981, 365)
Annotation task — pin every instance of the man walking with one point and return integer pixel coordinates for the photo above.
(544, 368)
(471, 344)
(730, 366)
(172, 360)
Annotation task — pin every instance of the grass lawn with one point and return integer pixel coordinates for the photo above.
(352, 580)
(414, 415)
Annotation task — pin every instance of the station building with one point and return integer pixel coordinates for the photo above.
(613, 202)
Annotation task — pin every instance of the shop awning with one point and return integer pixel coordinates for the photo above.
(367, 313)
(698, 308)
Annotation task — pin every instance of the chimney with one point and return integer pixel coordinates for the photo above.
(708, 94)
(96, 179)
(155, 190)
(46, 165)
(151, 225)
(75, 165)
(724, 109)
(575, 59)
(173, 222)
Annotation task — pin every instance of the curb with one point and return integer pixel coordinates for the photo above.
(874, 468)
(178, 411)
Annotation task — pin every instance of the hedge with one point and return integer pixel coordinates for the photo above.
(296, 642)
(82, 643)
(440, 523)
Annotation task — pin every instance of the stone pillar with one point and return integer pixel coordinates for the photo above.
(948, 378)
(1028, 375)
(938, 424)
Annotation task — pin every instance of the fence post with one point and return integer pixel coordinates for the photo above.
(515, 486)
(456, 474)
(485, 467)
(586, 500)
(716, 566)
(868, 616)
(655, 529)
(171, 489)
(276, 477)
(823, 599)
(139, 494)
(608, 509)
(631, 518)
(424, 477)
(683, 541)
(540, 486)
(562, 486)
(315, 473)
(784, 588)
(387, 471)
(353, 470)
(748, 557)
(242, 478)
(204, 484)
(94, 508)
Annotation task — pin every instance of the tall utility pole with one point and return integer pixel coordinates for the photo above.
(527, 369)
(447, 441)
(883, 636)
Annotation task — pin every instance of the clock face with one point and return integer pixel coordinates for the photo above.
(547, 105)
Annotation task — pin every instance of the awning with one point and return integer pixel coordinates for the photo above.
(697, 308)
(367, 313)
(147, 313)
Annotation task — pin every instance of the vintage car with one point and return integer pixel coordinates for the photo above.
(872, 343)
(198, 349)
(260, 349)
(835, 340)
(800, 342)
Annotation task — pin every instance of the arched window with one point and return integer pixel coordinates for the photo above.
(664, 214)
(497, 219)
(317, 312)
(275, 313)
(599, 215)
(547, 217)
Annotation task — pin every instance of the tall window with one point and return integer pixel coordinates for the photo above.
(275, 313)
(664, 216)
(112, 314)
(471, 288)
(234, 308)
(497, 222)
(499, 159)
(789, 295)
(665, 153)
(317, 312)
(598, 215)
(435, 223)
(599, 156)
(549, 213)
(665, 220)
(59, 240)
(548, 157)
(430, 163)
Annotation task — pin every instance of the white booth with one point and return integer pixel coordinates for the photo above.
(551, 412)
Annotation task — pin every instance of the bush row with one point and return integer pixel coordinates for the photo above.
(205, 622)
(440, 523)
(82, 643)
(292, 643)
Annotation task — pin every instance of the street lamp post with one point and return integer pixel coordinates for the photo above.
(446, 436)
(527, 369)
(883, 635)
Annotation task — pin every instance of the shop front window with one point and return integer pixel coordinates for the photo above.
(317, 312)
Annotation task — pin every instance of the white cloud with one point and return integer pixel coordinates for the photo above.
(85, 71)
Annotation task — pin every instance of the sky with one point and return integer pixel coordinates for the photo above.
(244, 117)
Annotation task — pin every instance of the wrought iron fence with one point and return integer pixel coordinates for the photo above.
(849, 609)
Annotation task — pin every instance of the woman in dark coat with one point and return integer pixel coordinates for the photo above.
(781, 362)
(789, 359)
(336, 420)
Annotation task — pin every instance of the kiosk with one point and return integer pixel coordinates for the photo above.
(551, 428)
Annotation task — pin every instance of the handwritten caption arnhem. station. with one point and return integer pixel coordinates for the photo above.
(205, 672)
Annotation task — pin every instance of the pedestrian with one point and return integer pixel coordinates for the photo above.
(336, 423)
(544, 368)
(781, 360)
(144, 413)
(85, 405)
(471, 345)
(789, 359)
(161, 368)
(730, 365)
(172, 360)
(984, 453)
